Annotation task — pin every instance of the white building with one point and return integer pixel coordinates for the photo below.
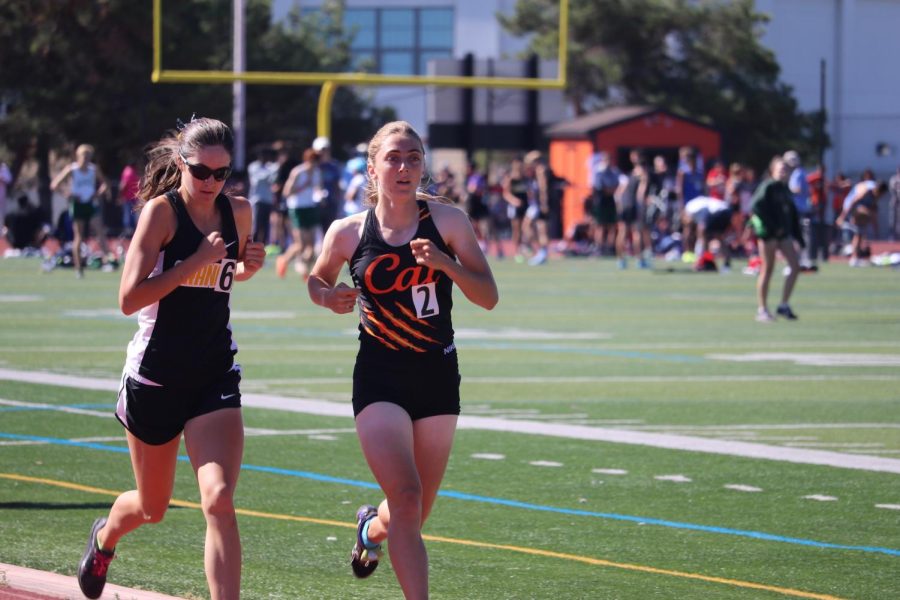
(401, 36)
(857, 39)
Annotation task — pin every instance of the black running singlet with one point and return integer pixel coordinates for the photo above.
(184, 339)
(404, 306)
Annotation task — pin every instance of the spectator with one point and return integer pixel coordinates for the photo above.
(799, 187)
(515, 192)
(630, 207)
(262, 174)
(708, 219)
(894, 213)
(605, 183)
(861, 209)
(662, 185)
(332, 203)
(305, 191)
(477, 208)
(716, 179)
(689, 176)
(818, 205)
(543, 187)
(445, 185)
(23, 227)
(279, 222)
(738, 193)
(839, 189)
(5, 180)
(355, 194)
(129, 181)
(87, 184)
(777, 225)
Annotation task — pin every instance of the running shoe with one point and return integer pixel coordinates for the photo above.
(281, 266)
(539, 258)
(94, 564)
(785, 311)
(764, 316)
(364, 560)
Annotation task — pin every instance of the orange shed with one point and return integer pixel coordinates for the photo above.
(617, 131)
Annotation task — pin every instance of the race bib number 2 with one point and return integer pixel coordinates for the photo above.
(425, 300)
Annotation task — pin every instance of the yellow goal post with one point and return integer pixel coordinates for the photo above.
(331, 80)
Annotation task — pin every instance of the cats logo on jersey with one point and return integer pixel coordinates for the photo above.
(390, 319)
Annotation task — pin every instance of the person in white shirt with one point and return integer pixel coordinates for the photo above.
(707, 219)
(304, 191)
(860, 210)
(87, 184)
(262, 174)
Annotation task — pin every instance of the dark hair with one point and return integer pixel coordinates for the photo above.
(310, 156)
(161, 173)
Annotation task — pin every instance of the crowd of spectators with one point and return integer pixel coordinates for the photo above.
(672, 207)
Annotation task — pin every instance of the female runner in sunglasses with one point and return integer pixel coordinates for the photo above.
(191, 244)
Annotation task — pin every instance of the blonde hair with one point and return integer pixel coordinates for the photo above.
(533, 157)
(375, 144)
(85, 150)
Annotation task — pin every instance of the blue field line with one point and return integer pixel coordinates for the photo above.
(64, 442)
(309, 475)
(757, 535)
(663, 523)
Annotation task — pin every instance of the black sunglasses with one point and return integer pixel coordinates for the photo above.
(202, 172)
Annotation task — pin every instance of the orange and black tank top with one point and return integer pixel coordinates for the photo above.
(404, 306)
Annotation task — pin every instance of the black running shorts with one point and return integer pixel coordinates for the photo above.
(424, 386)
(157, 414)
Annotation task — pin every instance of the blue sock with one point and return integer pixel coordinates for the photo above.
(365, 536)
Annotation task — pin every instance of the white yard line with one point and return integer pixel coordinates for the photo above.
(765, 426)
(814, 359)
(740, 487)
(66, 409)
(674, 379)
(579, 432)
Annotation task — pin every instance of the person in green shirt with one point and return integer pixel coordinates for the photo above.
(776, 223)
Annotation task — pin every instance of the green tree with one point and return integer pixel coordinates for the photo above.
(74, 71)
(700, 58)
